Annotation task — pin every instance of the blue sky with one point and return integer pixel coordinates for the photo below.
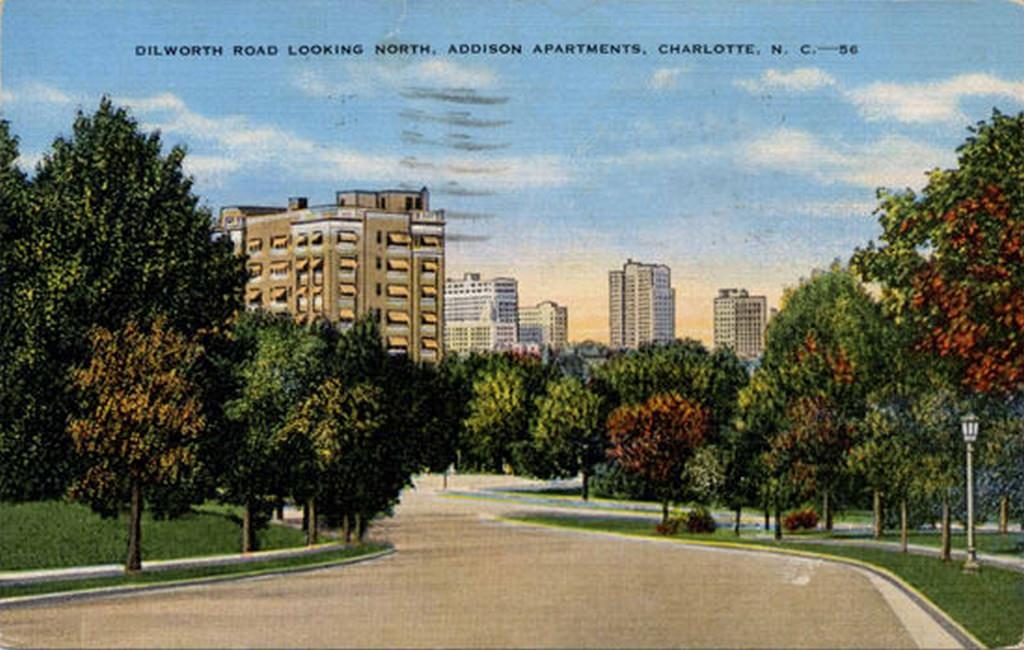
(733, 170)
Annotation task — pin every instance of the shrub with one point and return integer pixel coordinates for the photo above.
(699, 520)
(806, 519)
(670, 527)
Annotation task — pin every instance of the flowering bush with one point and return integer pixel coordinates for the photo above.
(806, 519)
(670, 527)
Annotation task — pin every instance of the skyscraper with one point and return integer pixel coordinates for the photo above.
(379, 253)
(641, 305)
(480, 315)
(740, 321)
(545, 324)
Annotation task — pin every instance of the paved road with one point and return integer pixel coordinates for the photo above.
(461, 580)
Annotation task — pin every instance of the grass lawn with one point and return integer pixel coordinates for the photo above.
(52, 534)
(990, 604)
(324, 558)
(987, 542)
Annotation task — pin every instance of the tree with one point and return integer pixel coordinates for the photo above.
(498, 416)
(277, 364)
(142, 419)
(114, 234)
(569, 430)
(951, 260)
(825, 351)
(655, 440)
(337, 433)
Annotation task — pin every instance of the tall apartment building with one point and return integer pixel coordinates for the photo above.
(641, 305)
(545, 325)
(740, 321)
(480, 315)
(379, 253)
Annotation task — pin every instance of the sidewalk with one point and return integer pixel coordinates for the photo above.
(1014, 563)
(36, 576)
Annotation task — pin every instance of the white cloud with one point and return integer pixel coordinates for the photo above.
(665, 78)
(892, 161)
(800, 80)
(38, 93)
(936, 101)
(909, 103)
(234, 143)
(371, 77)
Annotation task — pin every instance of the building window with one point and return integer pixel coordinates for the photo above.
(378, 237)
(378, 288)
(408, 203)
(318, 302)
(378, 260)
(300, 302)
(255, 245)
(255, 271)
(318, 276)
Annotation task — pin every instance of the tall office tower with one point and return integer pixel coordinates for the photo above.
(641, 305)
(740, 321)
(379, 253)
(545, 325)
(480, 315)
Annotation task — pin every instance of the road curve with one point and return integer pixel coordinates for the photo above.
(461, 580)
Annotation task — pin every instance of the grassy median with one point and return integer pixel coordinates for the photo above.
(54, 534)
(227, 571)
(989, 604)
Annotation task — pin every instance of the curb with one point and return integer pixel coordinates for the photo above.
(944, 620)
(101, 592)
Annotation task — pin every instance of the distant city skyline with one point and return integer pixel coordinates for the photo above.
(735, 170)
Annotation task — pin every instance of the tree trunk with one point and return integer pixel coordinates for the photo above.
(444, 479)
(664, 511)
(877, 507)
(280, 510)
(736, 526)
(1004, 514)
(945, 554)
(133, 563)
(586, 485)
(778, 522)
(360, 527)
(346, 528)
(828, 512)
(248, 534)
(305, 516)
(311, 531)
(767, 518)
(903, 525)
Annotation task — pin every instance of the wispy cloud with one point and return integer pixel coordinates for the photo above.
(909, 103)
(372, 77)
(665, 78)
(892, 161)
(823, 209)
(935, 101)
(39, 93)
(459, 141)
(229, 144)
(800, 80)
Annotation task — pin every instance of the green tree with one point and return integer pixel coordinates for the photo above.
(825, 351)
(114, 234)
(499, 416)
(277, 365)
(142, 419)
(569, 429)
(335, 440)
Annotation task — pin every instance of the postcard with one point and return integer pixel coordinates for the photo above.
(574, 223)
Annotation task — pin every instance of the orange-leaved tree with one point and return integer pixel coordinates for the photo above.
(140, 420)
(654, 440)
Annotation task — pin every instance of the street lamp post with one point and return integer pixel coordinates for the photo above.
(969, 427)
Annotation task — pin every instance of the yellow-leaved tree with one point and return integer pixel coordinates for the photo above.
(140, 421)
